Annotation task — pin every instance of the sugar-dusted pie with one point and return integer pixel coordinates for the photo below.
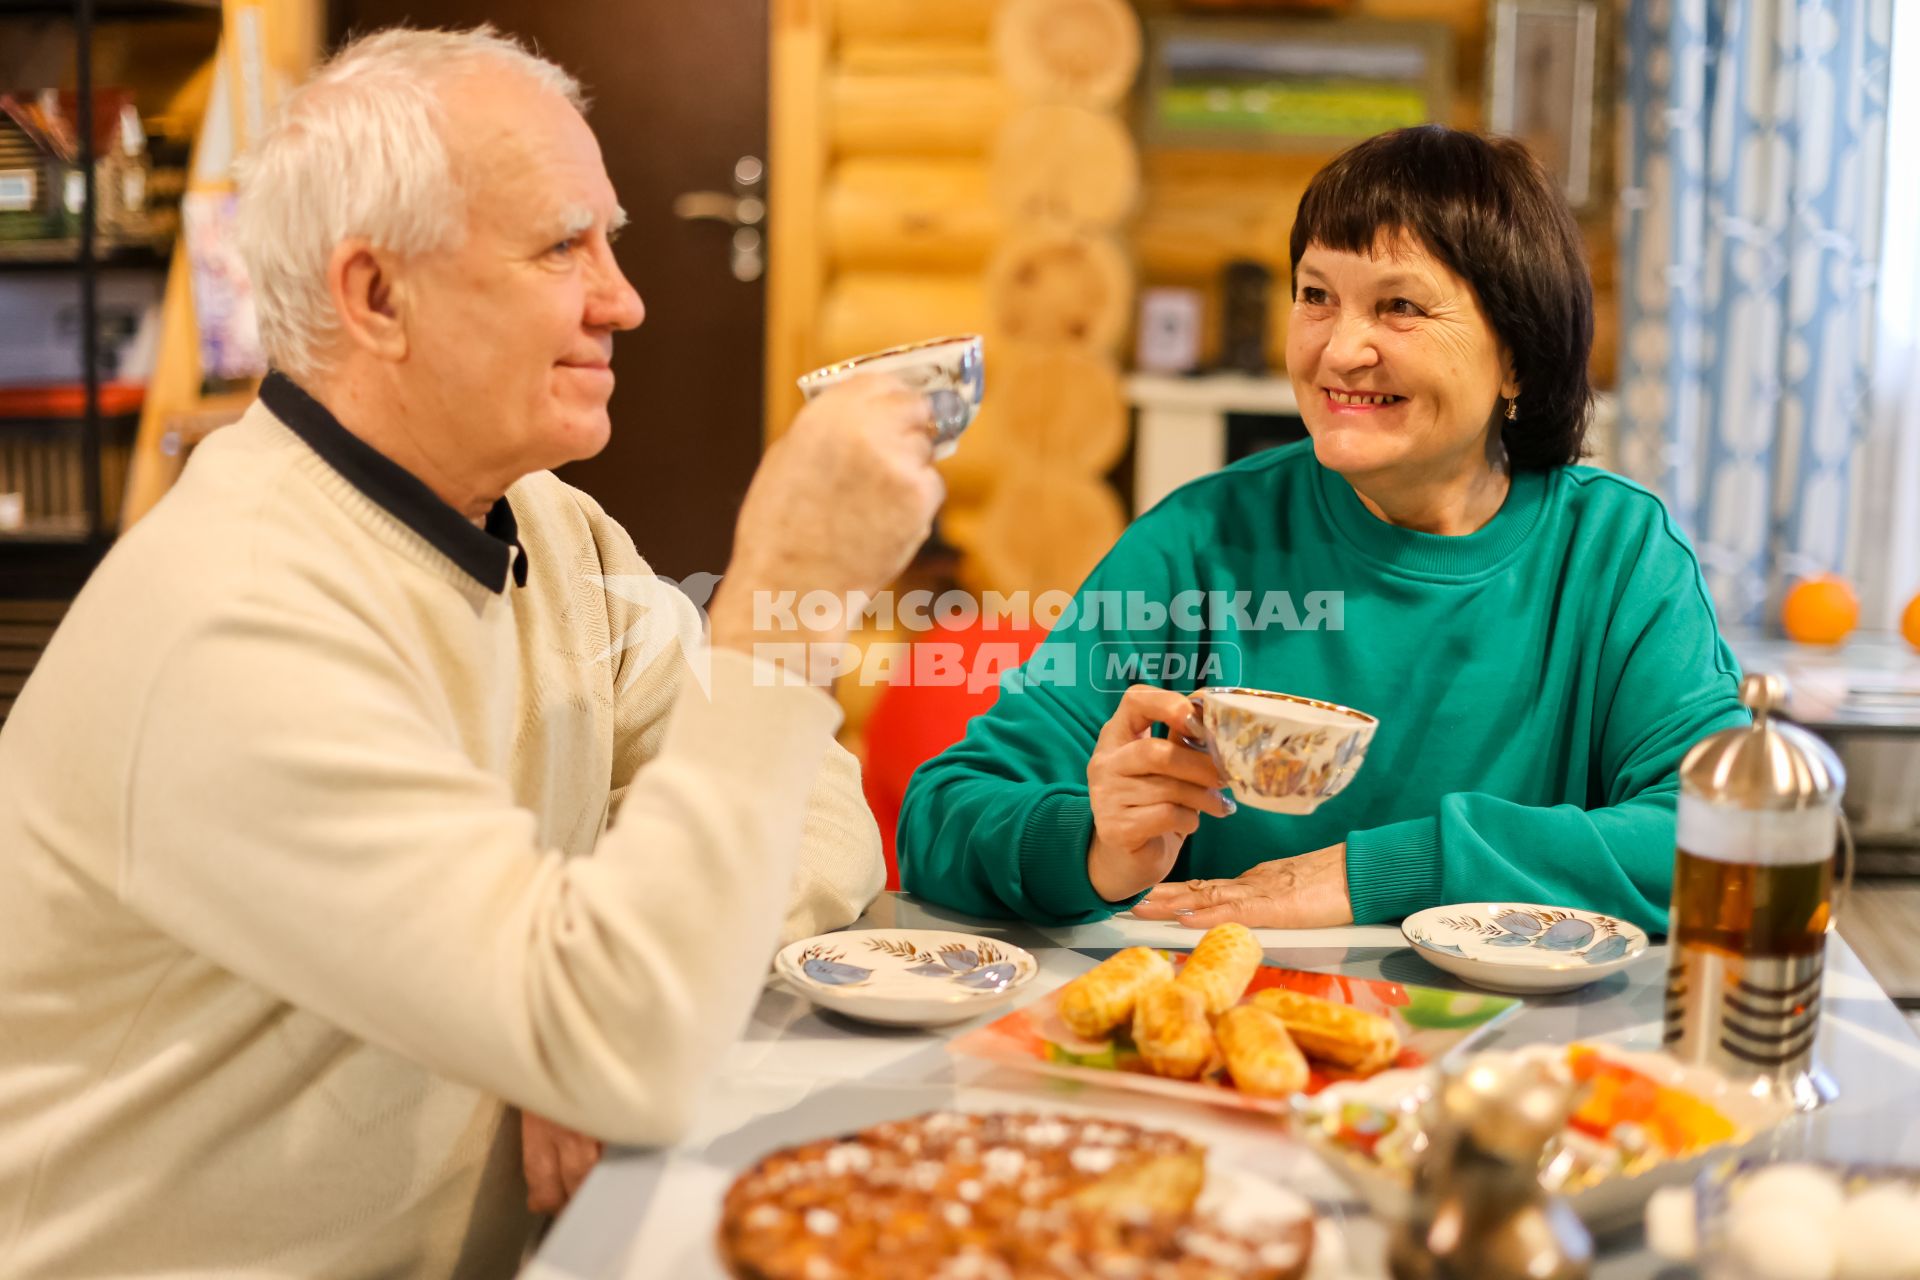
(957, 1196)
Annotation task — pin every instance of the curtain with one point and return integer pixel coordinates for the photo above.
(1885, 555)
(1754, 159)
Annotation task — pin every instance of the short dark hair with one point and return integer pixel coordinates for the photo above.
(1486, 208)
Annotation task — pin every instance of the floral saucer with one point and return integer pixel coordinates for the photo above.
(905, 977)
(1523, 947)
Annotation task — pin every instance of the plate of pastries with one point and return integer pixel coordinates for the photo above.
(1220, 1025)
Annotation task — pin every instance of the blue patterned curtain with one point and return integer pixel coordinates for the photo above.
(1753, 152)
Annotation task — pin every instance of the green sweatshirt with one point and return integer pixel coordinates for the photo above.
(1537, 683)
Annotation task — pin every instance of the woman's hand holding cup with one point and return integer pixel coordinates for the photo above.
(1148, 793)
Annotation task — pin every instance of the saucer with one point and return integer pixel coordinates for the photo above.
(1522, 947)
(905, 977)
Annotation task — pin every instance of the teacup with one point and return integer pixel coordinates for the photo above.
(950, 372)
(1281, 752)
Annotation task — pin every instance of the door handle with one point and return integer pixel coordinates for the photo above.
(713, 206)
(744, 211)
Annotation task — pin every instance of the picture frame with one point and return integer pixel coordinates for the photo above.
(1544, 82)
(1290, 84)
(1168, 333)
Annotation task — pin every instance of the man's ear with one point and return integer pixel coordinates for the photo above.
(368, 296)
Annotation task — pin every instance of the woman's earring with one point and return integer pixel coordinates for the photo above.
(1513, 409)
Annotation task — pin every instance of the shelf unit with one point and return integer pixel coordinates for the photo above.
(105, 8)
(64, 255)
(51, 563)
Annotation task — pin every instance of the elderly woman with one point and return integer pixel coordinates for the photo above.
(1533, 635)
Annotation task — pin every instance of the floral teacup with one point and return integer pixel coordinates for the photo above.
(1281, 752)
(950, 372)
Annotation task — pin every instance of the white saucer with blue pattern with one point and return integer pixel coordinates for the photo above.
(1523, 947)
(905, 977)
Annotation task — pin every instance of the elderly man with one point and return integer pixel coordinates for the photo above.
(296, 814)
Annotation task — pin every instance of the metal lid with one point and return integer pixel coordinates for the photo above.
(1770, 764)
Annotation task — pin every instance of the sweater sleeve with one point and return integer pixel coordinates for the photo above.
(1664, 679)
(842, 867)
(999, 824)
(302, 812)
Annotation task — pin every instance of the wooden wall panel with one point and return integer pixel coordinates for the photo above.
(797, 146)
(913, 114)
(858, 22)
(864, 311)
(909, 212)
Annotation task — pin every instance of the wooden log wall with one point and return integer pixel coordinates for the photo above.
(967, 168)
(970, 171)
(1033, 510)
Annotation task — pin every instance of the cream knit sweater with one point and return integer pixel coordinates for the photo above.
(295, 894)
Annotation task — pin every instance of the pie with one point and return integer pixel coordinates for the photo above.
(998, 1196)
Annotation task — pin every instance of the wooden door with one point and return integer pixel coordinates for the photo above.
(679, 95)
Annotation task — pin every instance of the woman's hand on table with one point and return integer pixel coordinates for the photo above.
(1304, 892)
(1148, 793)
(556, 1160)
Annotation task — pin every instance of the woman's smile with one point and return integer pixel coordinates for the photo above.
(1342, 401)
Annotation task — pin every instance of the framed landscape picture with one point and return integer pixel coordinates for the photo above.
(1543, 83)
(1297, 85)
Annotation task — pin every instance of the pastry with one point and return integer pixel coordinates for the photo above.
(1339, 1034)
(1102, 999)
(1222, 965)
(1171, 1031)
(1260, 1056)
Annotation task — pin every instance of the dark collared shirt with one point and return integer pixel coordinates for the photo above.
(486, 554)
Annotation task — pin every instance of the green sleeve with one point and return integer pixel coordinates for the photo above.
(998, 824)
(1665, 679)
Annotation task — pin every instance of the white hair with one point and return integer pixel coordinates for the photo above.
(360, 149)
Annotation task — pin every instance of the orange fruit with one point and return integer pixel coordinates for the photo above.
(1910, 622)
(1820, 610)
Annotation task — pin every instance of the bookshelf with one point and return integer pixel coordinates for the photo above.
(64, 449)
(104, 448)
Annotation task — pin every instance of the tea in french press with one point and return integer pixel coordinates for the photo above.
(1753, 899)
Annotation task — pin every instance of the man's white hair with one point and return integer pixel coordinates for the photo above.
(360, 149)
